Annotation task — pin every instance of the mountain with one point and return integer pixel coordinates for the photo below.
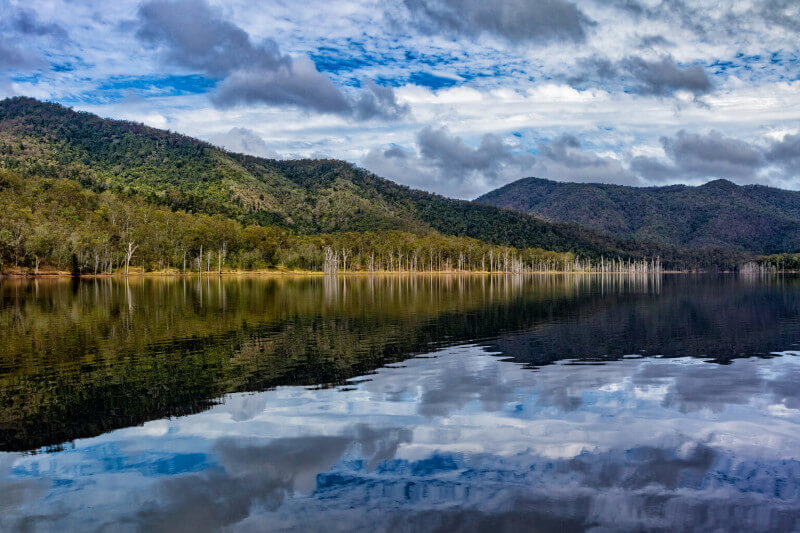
(719, 214)
(49, 141)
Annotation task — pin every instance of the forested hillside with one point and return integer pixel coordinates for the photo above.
(54, 222)
(72, 178)
(719, 214)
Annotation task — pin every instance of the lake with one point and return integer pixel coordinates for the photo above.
(401, 403)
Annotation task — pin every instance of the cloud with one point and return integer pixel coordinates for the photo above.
(476, 67)
(244, 141)
(252, 73)
(659, 77)
(564, 159)
(785, 13)
(454, 157)
(693, 156)
(518, 21)
(712, 154)
(404, 166)
(299, 85)
(26, 22)
(786, 153)
(209, 43)
(376, 101)
(718, 22)
(14, 57)
(655, 41)
(702, 20)
(444, 163)
(17, 28)
(664, 76)
(258, 476)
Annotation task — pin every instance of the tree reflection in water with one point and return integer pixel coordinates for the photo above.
(526, 413)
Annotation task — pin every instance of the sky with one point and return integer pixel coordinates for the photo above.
(456, 97)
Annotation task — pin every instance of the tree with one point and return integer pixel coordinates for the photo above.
(129, 251)
(41, 245)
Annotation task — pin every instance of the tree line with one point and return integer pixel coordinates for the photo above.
(55, 224)
(774, 263)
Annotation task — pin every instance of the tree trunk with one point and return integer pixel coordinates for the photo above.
(128, 255)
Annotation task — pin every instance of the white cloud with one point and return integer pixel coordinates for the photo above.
(243, 141)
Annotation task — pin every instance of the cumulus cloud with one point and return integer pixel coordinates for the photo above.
(299, 85)
(252, 72)
(490, 67)
(453, 156)
(378, 101)
(565, 159)
(209, 43)
(699, 156)
(518, 21)
(445, 163)
(26, 22)
(786, 153)
(712, 154)
(664, 76)
(717, 21)
(17, 27)
(658, 77)
(244, 141)
(404, 165)
(14, 57)
(655, 41)
(785, 13)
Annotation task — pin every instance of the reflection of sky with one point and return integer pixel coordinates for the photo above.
(459, 441)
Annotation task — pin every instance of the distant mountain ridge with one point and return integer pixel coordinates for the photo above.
(718, 214)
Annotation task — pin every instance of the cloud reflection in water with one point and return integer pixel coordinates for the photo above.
(461, 441)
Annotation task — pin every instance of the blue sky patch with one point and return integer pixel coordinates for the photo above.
(168, 85)
(432, 81)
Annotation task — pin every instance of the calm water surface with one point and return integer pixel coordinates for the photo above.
(564, 403)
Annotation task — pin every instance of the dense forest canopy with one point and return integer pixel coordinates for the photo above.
(56, 222)
(719, 214)
(90, 195)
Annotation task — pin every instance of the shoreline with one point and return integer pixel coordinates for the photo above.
(300, 273)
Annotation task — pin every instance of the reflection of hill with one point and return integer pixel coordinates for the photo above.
(79, 359)
(82, 358)
(716, 318)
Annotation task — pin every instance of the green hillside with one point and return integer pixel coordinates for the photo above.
(719, 214)
(135, 163)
